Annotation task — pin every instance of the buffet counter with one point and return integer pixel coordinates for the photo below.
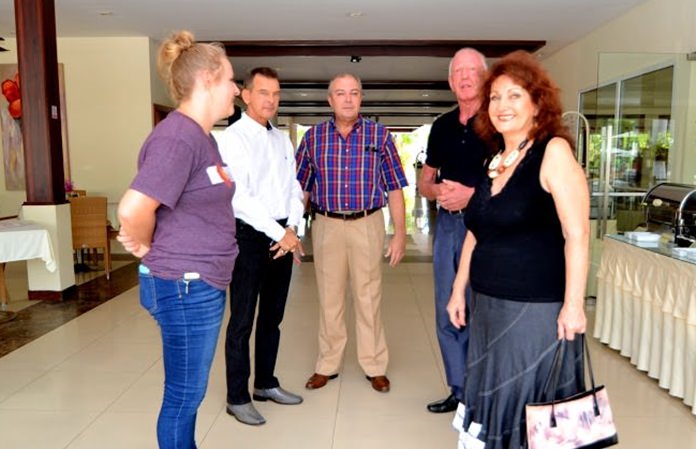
(646, 309)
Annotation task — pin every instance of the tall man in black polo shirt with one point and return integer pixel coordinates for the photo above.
(453, 165)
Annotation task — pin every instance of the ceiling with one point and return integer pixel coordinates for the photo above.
(405, 45)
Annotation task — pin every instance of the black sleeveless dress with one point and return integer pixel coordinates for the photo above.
(517, 274)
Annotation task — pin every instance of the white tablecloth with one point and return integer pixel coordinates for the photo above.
(646, 309)
(24, 241)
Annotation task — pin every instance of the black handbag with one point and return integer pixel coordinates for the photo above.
(583, 420)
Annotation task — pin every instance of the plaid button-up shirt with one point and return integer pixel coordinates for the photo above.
(351, 174)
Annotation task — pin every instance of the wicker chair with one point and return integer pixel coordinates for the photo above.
(90, 227)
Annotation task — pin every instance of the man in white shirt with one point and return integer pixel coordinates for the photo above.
(268, 208)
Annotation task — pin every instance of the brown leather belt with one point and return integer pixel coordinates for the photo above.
(347, 215)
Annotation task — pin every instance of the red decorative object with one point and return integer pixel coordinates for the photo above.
(10, 89)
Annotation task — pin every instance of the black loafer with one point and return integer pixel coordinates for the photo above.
(446, 405)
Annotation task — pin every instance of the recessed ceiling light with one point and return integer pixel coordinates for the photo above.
(356, 14)
(106, 13)
(425, 95)
(302, 94)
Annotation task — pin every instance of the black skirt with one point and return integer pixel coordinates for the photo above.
(511, 347)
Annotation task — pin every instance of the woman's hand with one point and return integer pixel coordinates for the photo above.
(136, 213)
(131, 245)
(456, 308)
(571, 320)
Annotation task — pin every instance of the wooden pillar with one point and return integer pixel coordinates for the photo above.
(41, 121)
(43, 153)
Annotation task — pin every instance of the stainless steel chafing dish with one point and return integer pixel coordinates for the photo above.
(670, 206)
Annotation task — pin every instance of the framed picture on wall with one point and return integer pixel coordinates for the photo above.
(11, 127)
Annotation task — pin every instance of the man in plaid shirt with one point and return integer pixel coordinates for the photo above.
(349, 169)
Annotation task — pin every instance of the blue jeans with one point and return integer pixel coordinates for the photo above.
(450, 231)
(189, 314)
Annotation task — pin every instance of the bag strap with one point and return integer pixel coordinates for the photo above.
(549, 389)
(551, 383)
(586, 350)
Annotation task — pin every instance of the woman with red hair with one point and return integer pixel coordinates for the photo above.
(526, 256)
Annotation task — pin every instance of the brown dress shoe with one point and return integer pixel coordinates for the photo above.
(318, 381)
(379, 383)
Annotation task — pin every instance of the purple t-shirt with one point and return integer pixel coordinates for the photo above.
(179, 166)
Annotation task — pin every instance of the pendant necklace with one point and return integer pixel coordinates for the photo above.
(495, 168)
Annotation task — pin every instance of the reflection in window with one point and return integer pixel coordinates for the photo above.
(631, 128)
(639, 111)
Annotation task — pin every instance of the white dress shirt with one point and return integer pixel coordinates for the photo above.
(262, 163)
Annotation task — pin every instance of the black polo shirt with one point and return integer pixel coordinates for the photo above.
(455, 150)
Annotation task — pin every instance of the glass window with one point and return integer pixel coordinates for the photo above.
(630, 138)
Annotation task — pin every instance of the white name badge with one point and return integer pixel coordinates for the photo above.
(215, 175)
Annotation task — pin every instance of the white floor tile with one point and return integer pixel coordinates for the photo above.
(23, 429)
(70, 389)
(12, 380)
(109, 354)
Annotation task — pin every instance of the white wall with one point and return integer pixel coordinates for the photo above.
(107, 83)
(109, 112)
(160, 95)
(657, 26)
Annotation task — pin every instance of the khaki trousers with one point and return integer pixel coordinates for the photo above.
(352, 249)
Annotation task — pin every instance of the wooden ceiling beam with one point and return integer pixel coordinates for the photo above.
(434, 48)
(368, 85)
(369, 114)
(372, 104)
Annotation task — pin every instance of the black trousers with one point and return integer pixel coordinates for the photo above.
(256, 276)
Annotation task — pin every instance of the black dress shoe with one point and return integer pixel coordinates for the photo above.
(446, 405)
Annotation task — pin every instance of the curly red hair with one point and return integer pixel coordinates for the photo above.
(525, 70)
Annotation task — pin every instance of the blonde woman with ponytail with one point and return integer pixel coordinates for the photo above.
(177, 218)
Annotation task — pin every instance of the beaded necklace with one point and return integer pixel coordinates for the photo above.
(495, 168)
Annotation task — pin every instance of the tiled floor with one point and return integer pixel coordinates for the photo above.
(27, 320)
(95, 382)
